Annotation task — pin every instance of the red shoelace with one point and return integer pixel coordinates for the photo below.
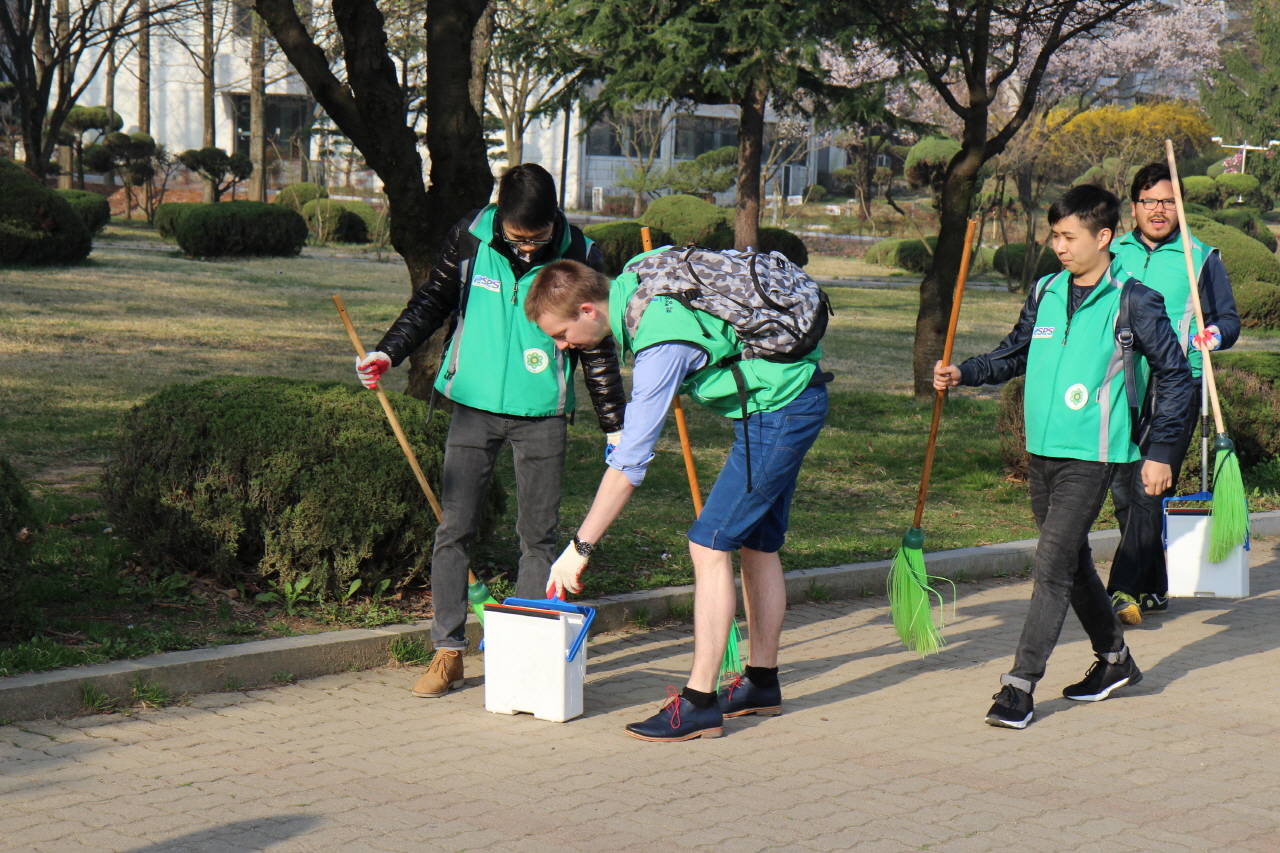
(673, 702)
(735, 684)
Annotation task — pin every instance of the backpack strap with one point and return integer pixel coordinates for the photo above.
(1124, 337)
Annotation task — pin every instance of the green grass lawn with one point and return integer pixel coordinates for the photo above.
(81, 345)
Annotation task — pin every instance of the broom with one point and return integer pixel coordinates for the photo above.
(477, 593)
(909, 591)
(732, 662)
(1229, 513)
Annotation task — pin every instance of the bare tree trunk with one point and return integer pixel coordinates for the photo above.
(206, 71)
(63, 13)
(257, 98)
(481, 50)
(750, 148)
(144, 67)
(109, 95)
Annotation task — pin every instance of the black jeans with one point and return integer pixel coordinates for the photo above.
(475, 437)
(1139, 565)
(1066, 496)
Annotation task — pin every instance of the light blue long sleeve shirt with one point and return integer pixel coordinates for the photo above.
(655, 380)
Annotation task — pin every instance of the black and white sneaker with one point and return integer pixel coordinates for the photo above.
(1103, 679)
(1149, 602)
(1013, 708)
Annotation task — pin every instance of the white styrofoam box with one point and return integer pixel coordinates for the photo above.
(525, 670)
(1191, 575)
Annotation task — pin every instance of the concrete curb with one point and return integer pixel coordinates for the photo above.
(266, 662)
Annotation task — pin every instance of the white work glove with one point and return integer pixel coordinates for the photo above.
(611, 443)
(371, 367)
(565, 573)
(1211, 335)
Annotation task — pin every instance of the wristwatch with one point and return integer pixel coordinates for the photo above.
(584, 549)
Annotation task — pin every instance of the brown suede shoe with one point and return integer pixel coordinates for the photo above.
(444, 674)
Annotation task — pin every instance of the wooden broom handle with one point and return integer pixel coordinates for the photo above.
(682, 427)
(941, 396)
(395, 423)
(1194, 282)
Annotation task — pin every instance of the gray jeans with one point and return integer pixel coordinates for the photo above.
(475, 437)
(1066, 497)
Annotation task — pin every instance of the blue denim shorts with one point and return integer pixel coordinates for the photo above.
(733, 517)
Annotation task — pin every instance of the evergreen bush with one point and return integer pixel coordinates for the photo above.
(17, 513)
(297, 195)
(331, 221)
(1247, 386)
(1249, 221)
(240, 228)
(1009, 260)
(1012, 428)
(815, 193)
(1202, 191)
(374, 224)
(93, 209)
(909, 255)
(687, 219)
(253, 478)
(1245, 258)
(1246, 189)
(1258, 303)
(770, 240)
(620, 242)
(37, 225)
(167, 216)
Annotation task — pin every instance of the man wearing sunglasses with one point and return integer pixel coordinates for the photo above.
(1153, 254)
(508, 383)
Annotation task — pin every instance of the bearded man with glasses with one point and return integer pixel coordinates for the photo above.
(1153, 254)
(509, 383)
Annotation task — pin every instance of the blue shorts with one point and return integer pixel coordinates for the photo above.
(734, 518)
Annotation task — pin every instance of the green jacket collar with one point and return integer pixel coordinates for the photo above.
(482, 228)
(1172, 243)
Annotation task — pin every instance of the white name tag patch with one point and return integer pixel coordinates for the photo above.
(1042, 332)
(487, 283)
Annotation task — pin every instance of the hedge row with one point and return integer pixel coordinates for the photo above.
(688, 219)
(17, 513)
(619, 242)
(240, 228)
(910, 255)
(259, 477)
(93, 209)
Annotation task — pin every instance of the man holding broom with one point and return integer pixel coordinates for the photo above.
(777, 409)
(1072, 341)
(1139, 581)
(508, 383)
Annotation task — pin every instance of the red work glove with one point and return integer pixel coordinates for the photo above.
(1211, 335)
(371, 367)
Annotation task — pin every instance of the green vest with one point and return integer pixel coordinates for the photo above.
(498, 360)
(1074, 402)
(1164, 270)
(771, 384)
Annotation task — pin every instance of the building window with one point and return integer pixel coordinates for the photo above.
(699, 134)
(635, 135)
(286, 120)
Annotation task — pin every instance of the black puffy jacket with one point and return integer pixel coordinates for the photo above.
(434, 302)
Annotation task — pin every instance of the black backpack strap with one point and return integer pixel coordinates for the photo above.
(1124, 337)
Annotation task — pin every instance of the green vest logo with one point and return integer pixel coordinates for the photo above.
(1077, 396)
(535, 360)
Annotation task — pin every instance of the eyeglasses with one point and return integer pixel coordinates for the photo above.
(1153, 203)
(518, 243)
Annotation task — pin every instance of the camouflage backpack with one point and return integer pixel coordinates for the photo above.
(777, 311)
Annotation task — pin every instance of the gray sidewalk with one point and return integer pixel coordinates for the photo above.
(877, 750)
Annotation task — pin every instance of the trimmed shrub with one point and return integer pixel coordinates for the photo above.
(297, 195)
(815, 193)
(909, 255)
(927, 162)
(1012, 429)
(1248, 221)
(1246, 188)
(240, 228)
(331, 221)
(1201, 190)
(1247, 385)
(252, 478)
(687, 219)
(37, 225)
(18, 524)
(770, 239)
(1193, 209)
(1009, 260)
(1245, 258)
(374, 224)
(620, 242)
(168, 215)
(93, 209)
(1258, 303)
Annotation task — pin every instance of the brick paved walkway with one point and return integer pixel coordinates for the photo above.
(877, 751)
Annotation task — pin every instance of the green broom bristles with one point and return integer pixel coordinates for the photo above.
(1229, 517)
(732, 663)
(910, 597)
